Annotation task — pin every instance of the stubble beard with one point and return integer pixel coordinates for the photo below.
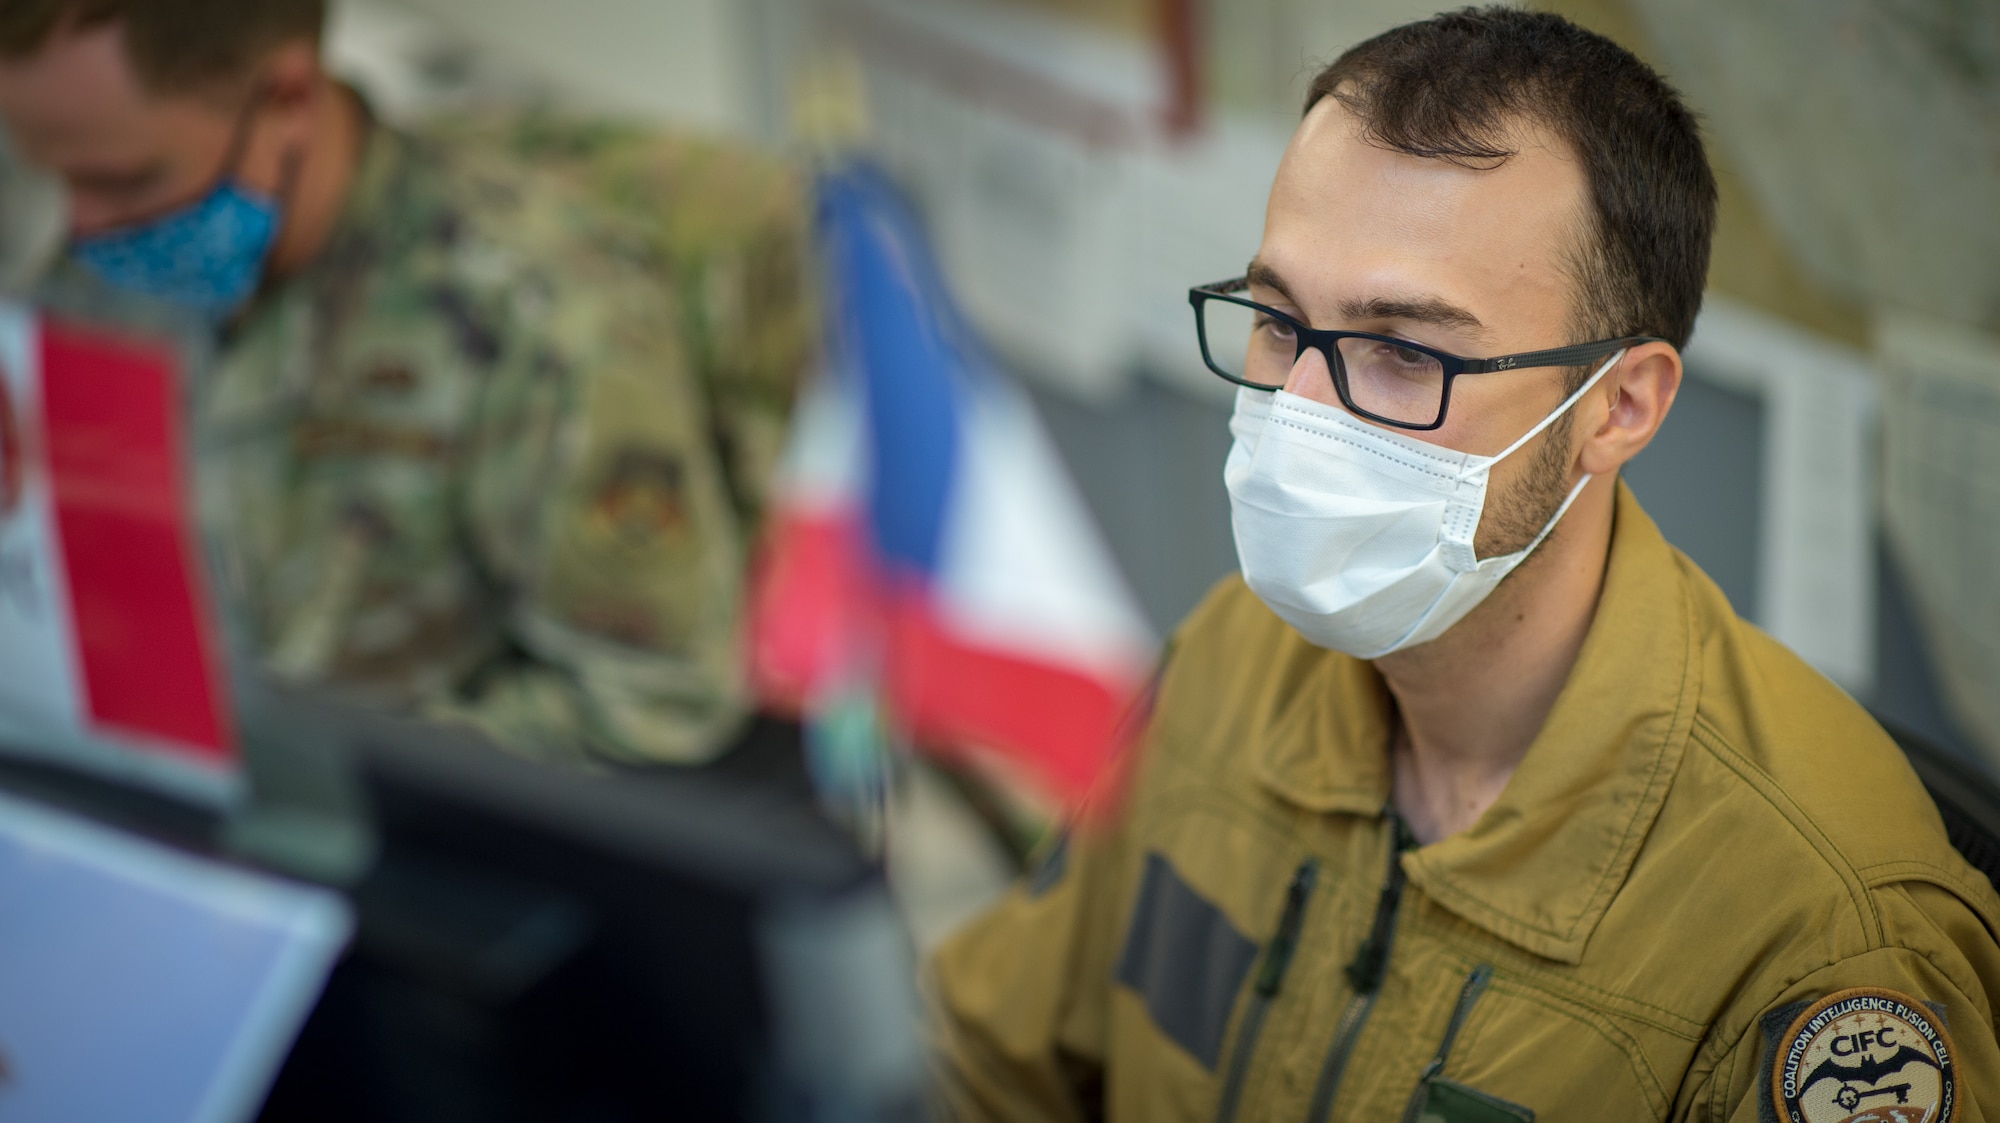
(1512, 524)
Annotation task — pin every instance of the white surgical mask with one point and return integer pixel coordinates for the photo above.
(1358, 536)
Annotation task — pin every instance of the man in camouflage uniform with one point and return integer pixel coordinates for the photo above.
(489, 439)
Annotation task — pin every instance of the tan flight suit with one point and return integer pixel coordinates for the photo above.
(1705, 836)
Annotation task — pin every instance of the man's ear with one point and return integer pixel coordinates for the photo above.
(1628, 407)
(291, 83)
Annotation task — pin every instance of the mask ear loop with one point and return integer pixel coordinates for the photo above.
(289, 167)
(288, 176)
(1550, 526)
(1559, 410)
(239, 136)
(1560, 512)
(239, 143)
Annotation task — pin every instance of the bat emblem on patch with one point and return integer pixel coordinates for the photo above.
(1858, 1081)
(1865, 1055)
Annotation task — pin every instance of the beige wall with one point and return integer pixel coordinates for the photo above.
(673, 60)
(1750, 262)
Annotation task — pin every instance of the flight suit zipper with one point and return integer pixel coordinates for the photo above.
(1270, 977)
(1475, 984)
(1365, 974)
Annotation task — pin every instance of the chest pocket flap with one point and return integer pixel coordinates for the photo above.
(1185, 959)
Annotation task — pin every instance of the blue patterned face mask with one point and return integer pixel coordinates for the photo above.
(208, 255)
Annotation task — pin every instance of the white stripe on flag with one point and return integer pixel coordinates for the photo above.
(1023, 568)
(824, 467)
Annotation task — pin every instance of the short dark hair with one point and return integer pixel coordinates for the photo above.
(1450, 87)
(175, 45)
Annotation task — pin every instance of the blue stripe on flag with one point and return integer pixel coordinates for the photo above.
(895, 333)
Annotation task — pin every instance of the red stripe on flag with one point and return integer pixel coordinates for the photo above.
(809, 601)
(816, 606)
(111, 417)
(1067, 726)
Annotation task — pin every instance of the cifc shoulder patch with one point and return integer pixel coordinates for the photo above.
(1865, 1055)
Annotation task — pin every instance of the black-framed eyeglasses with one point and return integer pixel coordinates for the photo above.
(1394, 381)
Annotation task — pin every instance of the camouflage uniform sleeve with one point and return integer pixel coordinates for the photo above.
(731, 225)
(736, 233)
(615, 469)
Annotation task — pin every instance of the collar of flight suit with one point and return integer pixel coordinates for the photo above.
(1541, 866)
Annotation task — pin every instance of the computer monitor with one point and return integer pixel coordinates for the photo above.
(536, 942)
(541, 943)
(530, 941)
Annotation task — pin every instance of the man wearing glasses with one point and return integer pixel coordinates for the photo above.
(1472, 799)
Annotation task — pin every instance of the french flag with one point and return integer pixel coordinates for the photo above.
(106, 648)
(925, 533)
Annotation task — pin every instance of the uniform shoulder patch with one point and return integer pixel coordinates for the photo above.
(1864, 1055)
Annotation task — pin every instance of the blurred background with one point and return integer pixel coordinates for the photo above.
(1833, 462)
(482, 935)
